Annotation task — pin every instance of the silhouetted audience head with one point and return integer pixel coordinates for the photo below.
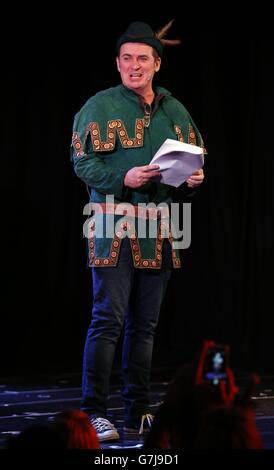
(228, 427)
(37, 436)
(71, 429)
(203, 395)
(77, 430)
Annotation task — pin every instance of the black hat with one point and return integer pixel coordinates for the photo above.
(140, 32)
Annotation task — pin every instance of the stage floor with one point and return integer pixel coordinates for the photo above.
(24, 401)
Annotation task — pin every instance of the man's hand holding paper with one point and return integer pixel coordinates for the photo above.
(180, 162)
(195, 179)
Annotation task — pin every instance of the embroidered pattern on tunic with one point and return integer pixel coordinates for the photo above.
(191, 135)
(114, 127)
(179, 133)
(138, 261)
(77, 144)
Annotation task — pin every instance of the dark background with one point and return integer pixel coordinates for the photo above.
(224, 76)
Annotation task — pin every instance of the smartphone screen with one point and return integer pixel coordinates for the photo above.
(215, 365)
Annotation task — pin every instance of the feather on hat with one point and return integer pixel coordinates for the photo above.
(142, 32)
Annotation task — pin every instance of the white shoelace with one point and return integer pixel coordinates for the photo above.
(149, 418)
(101, 424)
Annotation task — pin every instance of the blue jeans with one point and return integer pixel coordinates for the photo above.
(129, 297)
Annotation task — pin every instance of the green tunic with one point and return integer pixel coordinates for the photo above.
(109, 138)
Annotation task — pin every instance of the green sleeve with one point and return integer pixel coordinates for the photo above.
(90, 166)
(92, 170)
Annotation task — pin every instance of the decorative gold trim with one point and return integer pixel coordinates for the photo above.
(178, 132)
(115, 126)
(176, 261)
(191, 135)
(77, 144)
(138, 261)
(110, 260)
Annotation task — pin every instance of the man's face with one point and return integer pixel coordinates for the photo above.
(137, 65)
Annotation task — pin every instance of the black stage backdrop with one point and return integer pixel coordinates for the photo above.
(224, 76)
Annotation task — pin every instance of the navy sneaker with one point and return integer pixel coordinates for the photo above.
(105, 430)
(140, 426)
